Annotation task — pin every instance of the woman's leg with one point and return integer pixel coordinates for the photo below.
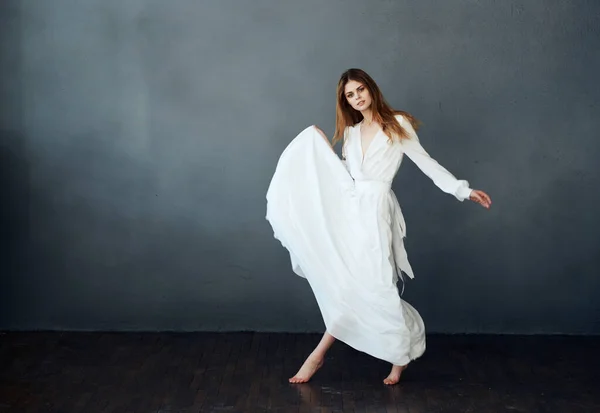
(395, 374)
(314, 361)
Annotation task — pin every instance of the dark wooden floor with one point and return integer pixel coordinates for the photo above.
(247, 372)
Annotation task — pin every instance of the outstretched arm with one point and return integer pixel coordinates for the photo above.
(323, 135)
(441, 177)
(331, 146)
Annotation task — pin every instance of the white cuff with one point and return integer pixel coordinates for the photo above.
(463, 192)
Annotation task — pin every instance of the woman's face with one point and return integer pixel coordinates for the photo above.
(357, 95)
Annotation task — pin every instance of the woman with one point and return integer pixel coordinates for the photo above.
(343, 228)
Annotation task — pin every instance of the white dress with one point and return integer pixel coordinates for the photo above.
(343, 228)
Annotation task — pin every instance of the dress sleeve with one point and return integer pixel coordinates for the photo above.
(440, 176)
(344, 145)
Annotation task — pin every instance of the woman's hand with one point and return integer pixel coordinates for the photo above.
(481, 198)
(323, 135)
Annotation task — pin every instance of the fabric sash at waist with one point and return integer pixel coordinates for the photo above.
(372, 185)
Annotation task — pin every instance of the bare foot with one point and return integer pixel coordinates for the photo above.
(307, 370)
(394, 376)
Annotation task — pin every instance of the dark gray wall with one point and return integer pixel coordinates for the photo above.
(138, 139)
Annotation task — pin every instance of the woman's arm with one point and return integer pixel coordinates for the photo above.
(331, 146)
(441, 177)
(323, 135)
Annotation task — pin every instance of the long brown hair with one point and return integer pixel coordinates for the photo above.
(346, 115)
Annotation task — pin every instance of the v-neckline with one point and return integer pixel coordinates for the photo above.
(364, 152)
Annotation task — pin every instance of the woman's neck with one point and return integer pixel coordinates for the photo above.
(367, 116)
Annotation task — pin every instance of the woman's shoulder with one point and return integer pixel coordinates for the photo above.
(351, 128)
(401, 117)
(406, 120)
(348, 131)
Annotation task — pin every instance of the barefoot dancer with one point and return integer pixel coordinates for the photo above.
(344, 230)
